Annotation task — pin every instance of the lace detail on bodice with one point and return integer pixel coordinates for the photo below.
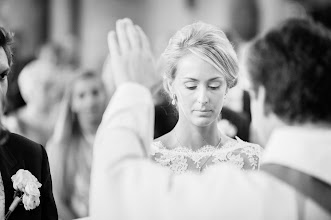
(243, 155)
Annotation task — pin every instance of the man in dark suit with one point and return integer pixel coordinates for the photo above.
(17, 152)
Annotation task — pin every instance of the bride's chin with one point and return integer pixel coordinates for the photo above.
(203, 122)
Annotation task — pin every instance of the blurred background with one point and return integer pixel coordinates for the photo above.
(71, 34)
(85, 23)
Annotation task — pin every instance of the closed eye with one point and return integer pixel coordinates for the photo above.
(214, 87)
(190, 85)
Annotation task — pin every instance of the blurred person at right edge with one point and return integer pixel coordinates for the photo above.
(70, 148)
(289, 71)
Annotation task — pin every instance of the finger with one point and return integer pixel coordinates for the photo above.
(113, 44)
(143, 38)
(107, 76)
(133, 36)
(122, 37)
(106, 69)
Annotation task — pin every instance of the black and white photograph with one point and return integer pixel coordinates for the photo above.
(165, 109)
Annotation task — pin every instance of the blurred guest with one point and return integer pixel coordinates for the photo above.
(70, 148)
(244, 18)
(289, 73)
(14, 98)
(70, 53)
(41, 89)
(16, 153)
(62, 55)
(52, 55)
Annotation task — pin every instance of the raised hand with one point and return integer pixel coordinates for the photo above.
(130, 58)
(108, 78)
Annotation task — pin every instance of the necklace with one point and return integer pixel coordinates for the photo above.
(200, 166)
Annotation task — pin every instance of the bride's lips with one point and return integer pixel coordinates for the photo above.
(203, 112)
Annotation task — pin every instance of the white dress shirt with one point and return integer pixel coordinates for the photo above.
(2, 199)
(126, 185)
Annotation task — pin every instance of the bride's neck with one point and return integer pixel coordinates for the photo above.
(194, 137)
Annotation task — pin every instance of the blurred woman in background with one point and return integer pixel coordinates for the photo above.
(42, 89)
(70, 148)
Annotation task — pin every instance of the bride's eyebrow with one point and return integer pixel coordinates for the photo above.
(216, 78)
(189, 78)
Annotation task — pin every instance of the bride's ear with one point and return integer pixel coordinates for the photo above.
(170, 86)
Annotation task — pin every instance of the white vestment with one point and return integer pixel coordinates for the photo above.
(126, 185)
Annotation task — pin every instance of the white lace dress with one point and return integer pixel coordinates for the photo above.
(243, 155)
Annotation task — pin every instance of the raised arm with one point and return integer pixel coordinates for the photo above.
(126, 130)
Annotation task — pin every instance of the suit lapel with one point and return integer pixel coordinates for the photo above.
(8, 167)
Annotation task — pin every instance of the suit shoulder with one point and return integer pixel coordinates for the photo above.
(22, 144)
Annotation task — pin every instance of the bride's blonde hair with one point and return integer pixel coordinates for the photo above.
(206, 41)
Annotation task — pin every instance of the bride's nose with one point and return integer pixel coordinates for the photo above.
(202, 96)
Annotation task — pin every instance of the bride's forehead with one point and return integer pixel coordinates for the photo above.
(192, 66)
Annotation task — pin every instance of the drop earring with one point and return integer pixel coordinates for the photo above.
(174, 99)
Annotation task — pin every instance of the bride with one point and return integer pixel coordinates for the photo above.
(200, 66)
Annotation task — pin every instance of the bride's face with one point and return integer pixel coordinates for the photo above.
(200, 91)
